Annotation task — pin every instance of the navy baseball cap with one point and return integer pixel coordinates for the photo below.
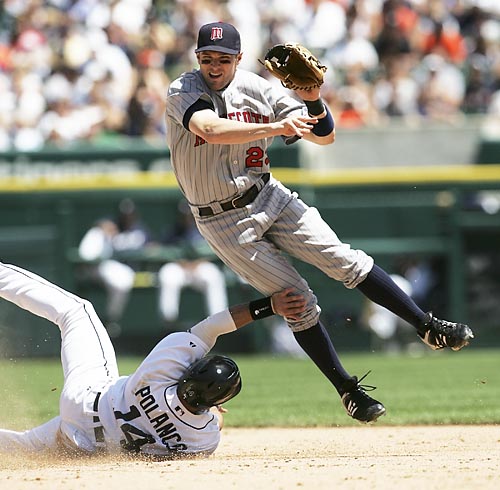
(219, 36)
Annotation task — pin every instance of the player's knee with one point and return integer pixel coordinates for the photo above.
(308, 318)
(123, 286)
(75, 310)
(303, 323)
(171, 274)
(210, 275)
(88, 309)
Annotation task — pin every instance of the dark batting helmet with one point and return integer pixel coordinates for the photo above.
(210, 381)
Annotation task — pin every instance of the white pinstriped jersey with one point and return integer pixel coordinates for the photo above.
(251, 240)
(209, 173)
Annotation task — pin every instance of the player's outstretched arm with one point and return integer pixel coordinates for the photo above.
(287, 303)
(216, 130)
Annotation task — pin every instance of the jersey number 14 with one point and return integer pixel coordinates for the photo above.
(134, 438)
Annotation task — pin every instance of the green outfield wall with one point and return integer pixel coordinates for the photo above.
(394, 214)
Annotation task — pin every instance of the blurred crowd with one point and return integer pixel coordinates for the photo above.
(93, 69)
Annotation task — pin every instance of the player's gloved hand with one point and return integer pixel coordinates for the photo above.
(295, 66)
(288, 303)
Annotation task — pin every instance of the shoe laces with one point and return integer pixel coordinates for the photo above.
(363, 387)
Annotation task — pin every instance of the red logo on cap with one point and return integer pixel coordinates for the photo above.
(216, 33)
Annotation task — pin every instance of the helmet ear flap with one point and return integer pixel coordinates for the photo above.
(210, 381)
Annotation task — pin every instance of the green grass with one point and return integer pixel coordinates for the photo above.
(437, 388)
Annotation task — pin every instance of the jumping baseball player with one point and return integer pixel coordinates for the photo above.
(220, 122)
(162, 410)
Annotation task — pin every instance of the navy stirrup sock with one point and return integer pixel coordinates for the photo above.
(381, 289)
(318, 346)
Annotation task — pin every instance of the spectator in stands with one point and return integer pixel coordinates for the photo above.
(439, 33)
(323, 25)
(392, 37)
(355, 101)
(107, 244)
(195, 271)
(443, 90)
(396, 91)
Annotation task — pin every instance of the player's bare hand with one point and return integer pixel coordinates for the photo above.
(288, 303)
(296, 125)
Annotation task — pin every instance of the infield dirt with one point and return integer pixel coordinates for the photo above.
(365, 457)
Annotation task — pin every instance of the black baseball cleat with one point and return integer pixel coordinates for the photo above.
(358, 404)
(438, 334)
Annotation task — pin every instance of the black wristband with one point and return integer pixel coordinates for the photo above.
(325, 125)
(315, 107)
(261, 308)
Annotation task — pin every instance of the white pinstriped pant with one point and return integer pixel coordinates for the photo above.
(87, 356)
(251, 241)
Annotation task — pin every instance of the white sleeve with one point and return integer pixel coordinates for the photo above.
(168, 360)
(41, 438)
(209, 329)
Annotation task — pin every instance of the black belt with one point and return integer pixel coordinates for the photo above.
(238, 202)
(98, 430)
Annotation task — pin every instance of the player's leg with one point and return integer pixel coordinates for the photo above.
(260, 264)
(437, 334)
(43, 437)
(118, 279)
(301, 231)
(210, 281)
(171, 279)
(263, 266)
(87, 354)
